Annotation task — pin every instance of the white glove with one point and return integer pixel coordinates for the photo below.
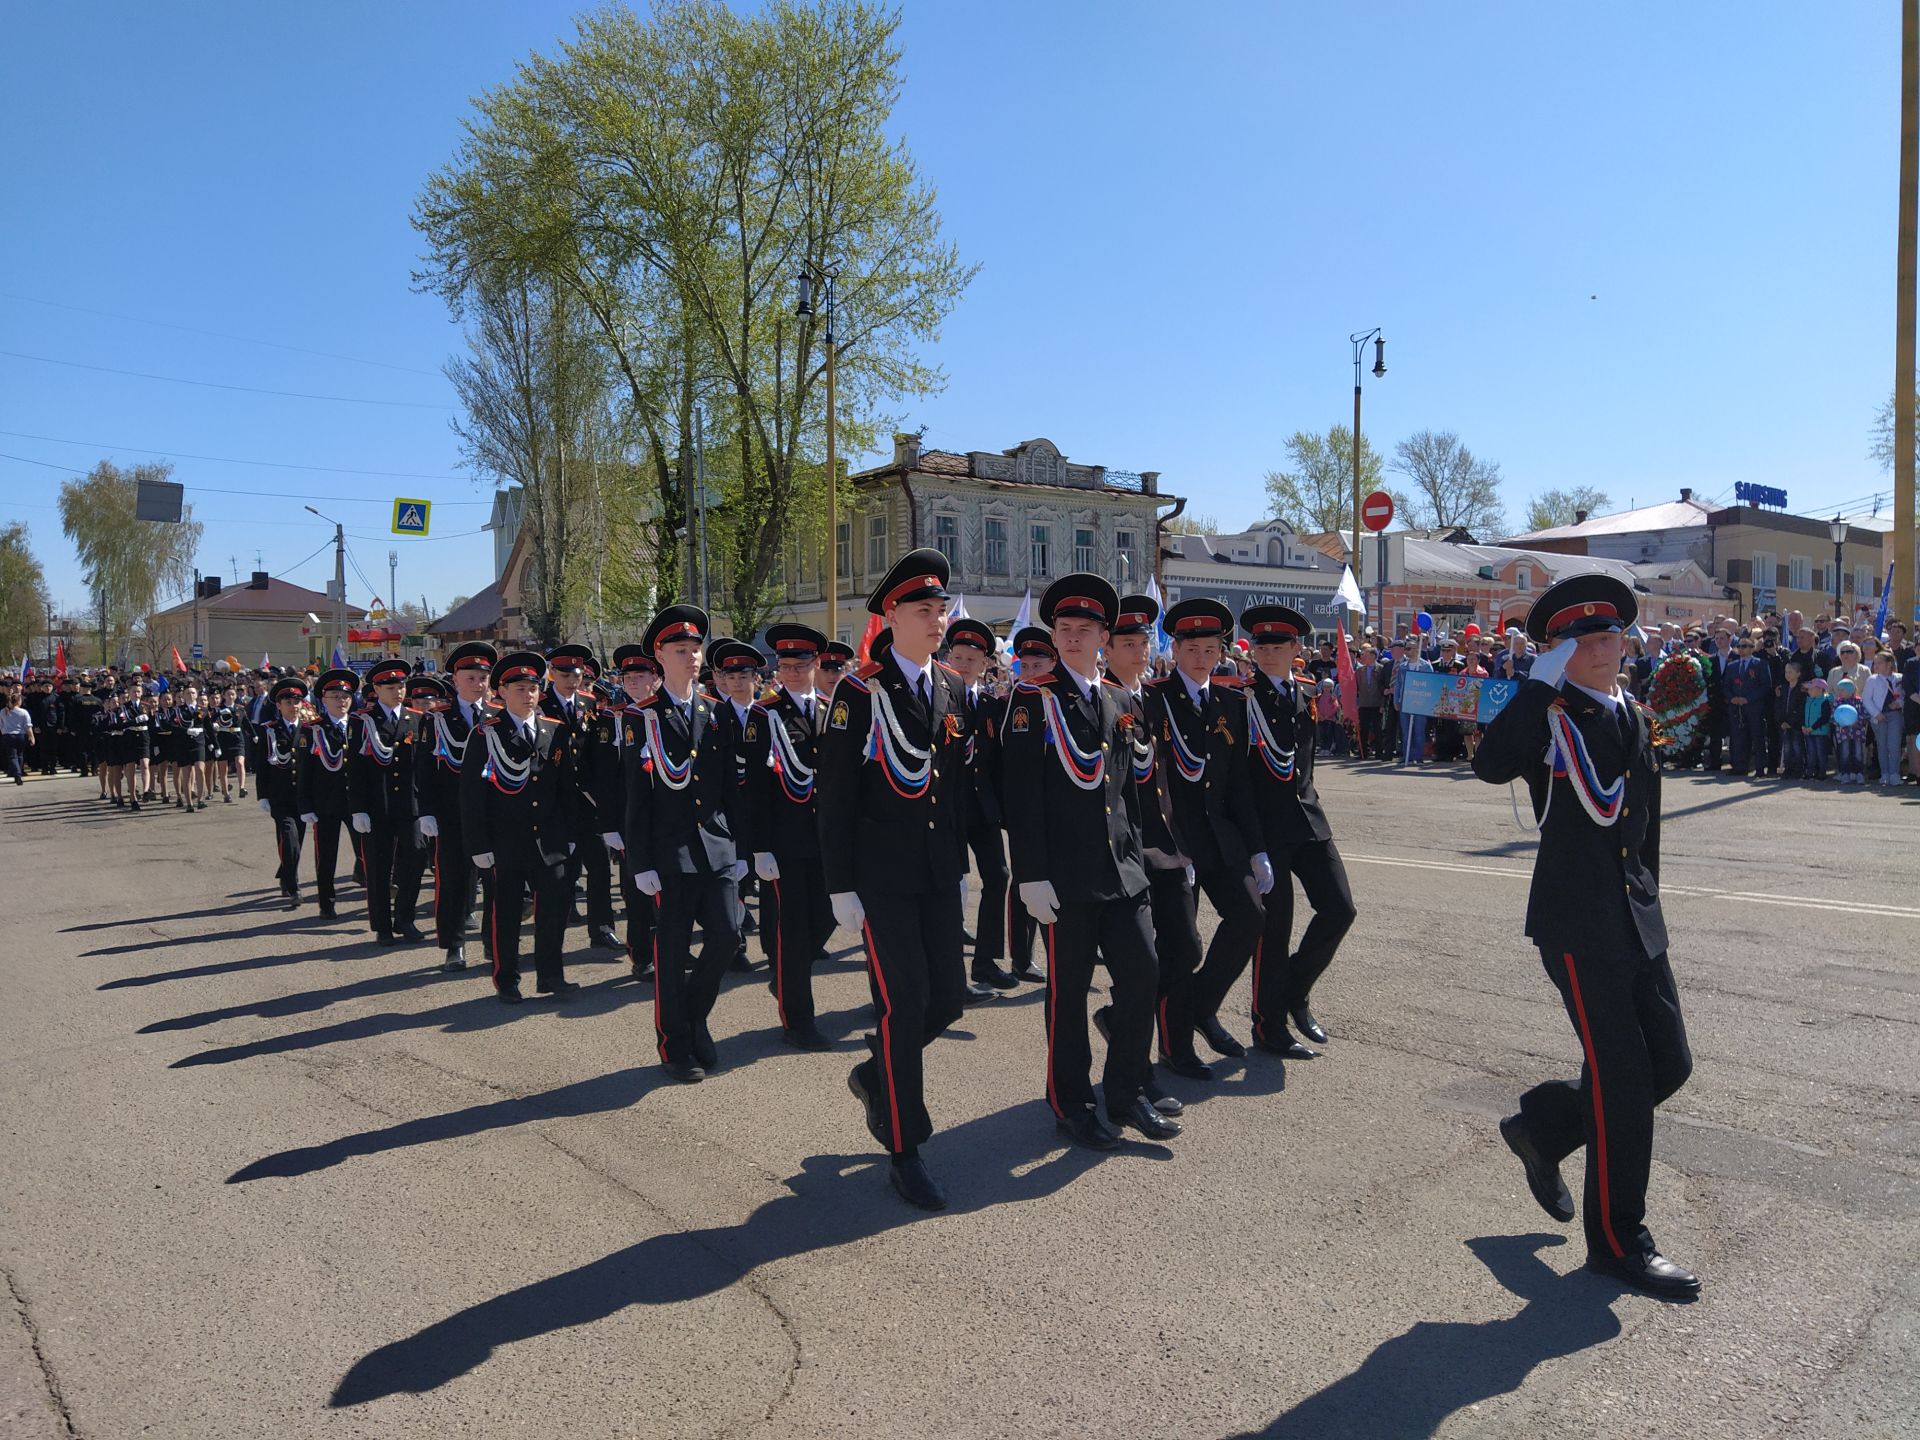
(1551, 666)
(362, 824)
(847, 910)
(739, 870)
(611, 839)
(484, 860)
(1262, 873)
(1041, 902)
(569, 847)
(305, 819)
(765, 866)
(429, 828)
(1190, 880)
(266, 808)
(647, 882)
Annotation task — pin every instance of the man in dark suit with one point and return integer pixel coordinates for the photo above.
(893, 777)
(680, 841)
(517, 799)
(1199, 721)
(1594, 912)
(438, 760)
(1073, 817)
(380, 789)
(1746, 687)
(969, 647)
(1296, 837)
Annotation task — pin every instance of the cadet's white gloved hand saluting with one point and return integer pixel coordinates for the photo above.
(1041, 902)
(847, 910)
(1551, 667)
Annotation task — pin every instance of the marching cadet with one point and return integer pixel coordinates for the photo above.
(1073, 820)
(639, 675)
(1032, 646)
(1586, 751)
(1295, 835)
(321, 778)
(1176, 930)
(569, 668)
(277, 747)
(834, 660)
(439, 757)
(893, 844)
(1199, 720)
(679, 835)
(737, 669)
(424, 696)
(380, 789)
(227, 754)
(782, 826)
(517, 799)
(969, 647)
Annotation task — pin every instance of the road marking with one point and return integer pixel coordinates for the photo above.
(1864, 908)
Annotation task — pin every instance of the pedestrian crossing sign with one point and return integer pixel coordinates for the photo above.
(410, 516)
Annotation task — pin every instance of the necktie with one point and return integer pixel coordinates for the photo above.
(926, 692)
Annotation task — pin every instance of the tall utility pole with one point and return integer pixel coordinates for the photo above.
(1359, 343)
(808, 278)
(1904, 594)
(393, 594)
(339, 581)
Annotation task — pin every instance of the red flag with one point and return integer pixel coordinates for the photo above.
(1349, 688)
(866, 640)
(60, 658)
(178, 663)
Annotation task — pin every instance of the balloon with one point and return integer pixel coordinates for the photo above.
(1424, 621)
(1470, 630)
(1845, 715)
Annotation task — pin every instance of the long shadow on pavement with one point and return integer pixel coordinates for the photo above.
(1409, 1385)
(248, 901)
(999, 1159)
(308, 1000)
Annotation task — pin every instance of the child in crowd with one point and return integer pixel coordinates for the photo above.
(1793, 747)
(1883, 701)
(1816, 728)
(1849, 740)
(1332, 739)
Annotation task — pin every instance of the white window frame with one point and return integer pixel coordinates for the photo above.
(987, 542)
(1086, 558)
(843, 549)
(947, 517)
(1799, 572)
(1766, 570)
(1864, 581)
(1126, 556)
(1040, 549)
(877, 537)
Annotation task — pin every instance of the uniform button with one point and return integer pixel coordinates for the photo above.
(1623, 852)
(929, 824)
(1103, 745)
(933, 800)
(1109, 809)
(536, 804)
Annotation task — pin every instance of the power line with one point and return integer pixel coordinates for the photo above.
(217, 385)
(229, 460)
(217, 335)
(257, 494)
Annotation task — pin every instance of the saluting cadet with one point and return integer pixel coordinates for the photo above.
(439, 757)
(969, 646)
(1073, 821)
(1176, 929)
(680, 845)
(517, 799)
(639, 675)
(569, 668)
(1295, 834)
(275, 755)
(737, 668)
(1199, 719)
(1033, 648)
(782, 826)
(380, 788)
(893, 843)
(321, 776)
(1586, 751)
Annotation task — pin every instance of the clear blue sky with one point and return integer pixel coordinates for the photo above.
(1182, 212)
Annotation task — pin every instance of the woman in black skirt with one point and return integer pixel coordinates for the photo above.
(225, 752)
(191, 722)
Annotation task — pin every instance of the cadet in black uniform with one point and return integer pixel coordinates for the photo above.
(1199, 721)
(1073, 820)
(321, 776)
(569, 668)
(275, 758)
(380, 788)
(782, 826)
(424, 696)
(639, 676)
(834, 660)
(737, 669)
(1296, 837)
(1033, 648)
(517, 799)
(969, 647)
(679, 835)
(893, 780)
(439, 757)
(227, 752)
(1598, 804)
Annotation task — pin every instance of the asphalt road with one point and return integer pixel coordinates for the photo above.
(263, 1178)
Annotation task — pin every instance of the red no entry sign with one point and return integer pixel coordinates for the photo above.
(1376, 511)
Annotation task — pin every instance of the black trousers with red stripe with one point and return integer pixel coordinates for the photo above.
(326, 853)
(1235, 897)
(1119, 935)
(453, 877)
(1176, 945)
(288, 835)
(640, 917)
(550, 901)
(792, 908)
(989, 846)
(379, 855)
(1626, 1014)
(1283, 977)
(918, 977)
(685, 987)
(410, 859)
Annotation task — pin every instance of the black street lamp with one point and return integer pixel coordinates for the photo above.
(1837, 528)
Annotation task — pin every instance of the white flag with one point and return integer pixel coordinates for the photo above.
(959, 610)
(264, 661)
(1347, 597)
(1025, 617)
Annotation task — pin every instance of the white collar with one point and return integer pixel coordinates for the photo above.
(1609, 698)
(803, 700)
(1196, 693)
(1085, 686)
(912, 671)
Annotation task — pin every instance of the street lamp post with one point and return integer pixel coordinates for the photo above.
(1837, 529)
(809, 277)
(339, 580)
(1359, 343)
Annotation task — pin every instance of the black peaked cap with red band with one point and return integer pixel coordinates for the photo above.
(1199, 618)
(1034, 639)
(337, 680)
(630, 658)
(676, 622)
(837, 655)
(969, 631)
(428, 687)
(574, 657)
(1137, 614)
(520, 665)
(917, 575)
(1266, 624)
(288, 689)
(731, 657)
(1085, 596)
(391, 671)
(474, 655)
(1581, 605)
(791, 639)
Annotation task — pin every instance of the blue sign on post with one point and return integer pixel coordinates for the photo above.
(410, 516)
(199, 651)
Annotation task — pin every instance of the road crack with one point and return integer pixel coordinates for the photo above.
(48, 1379)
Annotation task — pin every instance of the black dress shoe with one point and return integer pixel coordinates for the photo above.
(988, 973)
(1141, 1116)
(916, 1186)
(685, 1071)
(805, 1037)
(386, 937)
(1028, 973)
(293, 901)
(978, 993)
(1103, 1023)
(603, 936)
(456, 958)
(1287, 1048)
(1310, 1027)
(1083, 1127)
(327, 912)
(1652, 1273)
(1163, 1102)
(410, 936)
(509, 995)
(703, 1048)
(560, 989)
(869, 1102)
(1543, 1177)
(743, 962)
(1189, 1065)
(642, 970)
(1216, 1036)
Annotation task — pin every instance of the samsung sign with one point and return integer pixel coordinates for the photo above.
(1760, 494)
(1316, 605)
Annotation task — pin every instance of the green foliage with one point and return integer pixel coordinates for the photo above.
(1551, 508)
(1314, 494)
(23, 595)
(128, 563)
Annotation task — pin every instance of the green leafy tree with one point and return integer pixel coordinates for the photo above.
(23, 595)
(1562, 507)
(129, 563)
(1314, 494)
(1450, 485)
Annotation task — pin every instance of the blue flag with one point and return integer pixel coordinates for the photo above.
(339, 660)
(1886, 596)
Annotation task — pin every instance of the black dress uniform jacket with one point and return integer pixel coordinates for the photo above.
(322, 768)
(775, 823)
(1594, 886)
(1289, 810)
(1086, 842)
(274, 764)
(1215, 814)
(532, 825)
(380, 764)
(437, 765)
(586, 817)
(688, 831)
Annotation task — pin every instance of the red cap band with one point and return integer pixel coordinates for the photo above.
(796, 647)
(1209, 623)
(517, 672)
(1134, 617)
(473, 662)
(1563, 618)
(1279, 629)
(1083, 602)
(676, 630)
(919, 582)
